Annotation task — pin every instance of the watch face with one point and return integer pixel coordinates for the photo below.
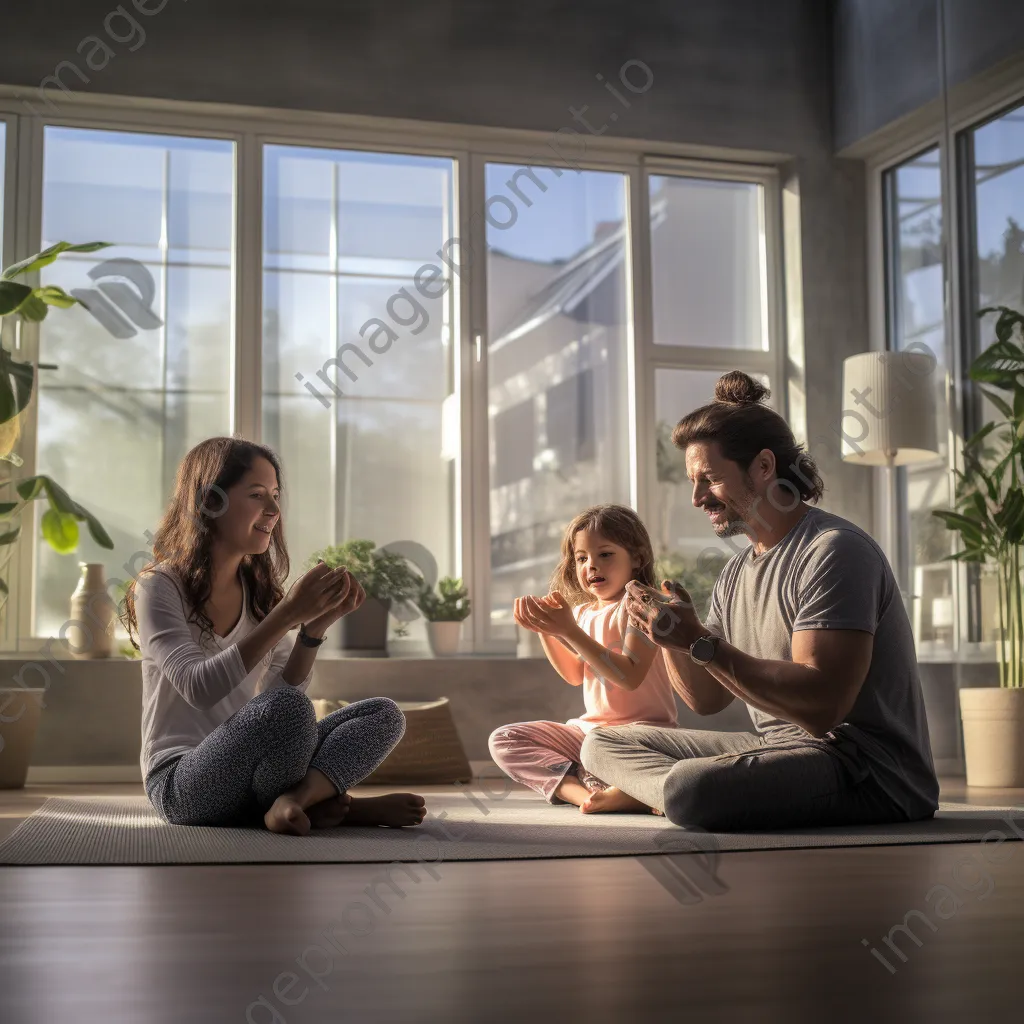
(703, 649)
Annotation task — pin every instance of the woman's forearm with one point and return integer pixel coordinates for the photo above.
(300, 664)
(264, 636)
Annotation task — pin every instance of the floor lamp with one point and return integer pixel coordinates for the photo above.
(889, 413)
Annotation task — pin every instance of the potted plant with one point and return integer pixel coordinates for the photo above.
(444, 609)
(20, 707)
(989, 517)
(386, 577)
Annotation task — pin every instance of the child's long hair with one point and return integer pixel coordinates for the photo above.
(185, 534)
(617, 523)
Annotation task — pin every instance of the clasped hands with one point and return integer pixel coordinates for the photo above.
(321, 596)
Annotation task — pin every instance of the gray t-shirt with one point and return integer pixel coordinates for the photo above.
(827, 573)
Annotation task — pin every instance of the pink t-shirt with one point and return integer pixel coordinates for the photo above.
(652, 702)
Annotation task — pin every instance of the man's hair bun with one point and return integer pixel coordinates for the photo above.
(737, 388)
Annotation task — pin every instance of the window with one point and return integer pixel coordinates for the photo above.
(708, 263)
(710, 296)
(316, 287)
(994, 155)
(557, 392)
(916, 316)
(359, 376)
(145, 372)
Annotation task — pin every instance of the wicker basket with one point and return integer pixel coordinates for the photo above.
(430, 752)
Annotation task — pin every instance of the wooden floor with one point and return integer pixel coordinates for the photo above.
(590, 940)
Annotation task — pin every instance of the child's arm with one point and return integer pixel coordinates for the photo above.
(626, 669)
(563, 659)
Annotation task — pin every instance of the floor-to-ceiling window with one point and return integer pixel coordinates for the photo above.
(557, 397)
(132, 379)
(915, 283)
(993, 169)
(359, 374)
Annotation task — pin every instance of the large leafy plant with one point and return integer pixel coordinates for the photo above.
(382, 574)
(989, 512)
(17, 383)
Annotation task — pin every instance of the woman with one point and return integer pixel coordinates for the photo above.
(228, 734)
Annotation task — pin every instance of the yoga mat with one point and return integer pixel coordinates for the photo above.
(460, 826)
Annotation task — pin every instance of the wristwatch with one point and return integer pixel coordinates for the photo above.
(309, 641)
(702, 650)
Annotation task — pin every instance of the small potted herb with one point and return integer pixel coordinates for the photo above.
(386, 577)
(444, 611)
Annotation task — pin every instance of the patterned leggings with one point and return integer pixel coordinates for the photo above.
(540, 755)
(265, 749)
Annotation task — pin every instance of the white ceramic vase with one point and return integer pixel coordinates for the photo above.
(993, 719)
(444, 638)
(90, 633)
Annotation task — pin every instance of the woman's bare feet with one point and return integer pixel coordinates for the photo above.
(393, 810)
(329, 813)
(612, 799)
(287, 817)
(572, 791)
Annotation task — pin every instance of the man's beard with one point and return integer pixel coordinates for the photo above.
(735, 525)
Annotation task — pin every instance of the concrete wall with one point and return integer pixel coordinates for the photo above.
(887, 59)
(92, 710)
(731, 73)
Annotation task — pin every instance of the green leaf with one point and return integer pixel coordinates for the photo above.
(33, 309)
(60, 531)
(16, 381)
(47, 256)
(62, 503)
(10, 536)
(54, 296)
(7, 507)
(12, 296)
(3, 588)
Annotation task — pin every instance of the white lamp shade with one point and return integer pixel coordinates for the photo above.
(888, 412)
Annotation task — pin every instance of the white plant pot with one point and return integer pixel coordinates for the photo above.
(993, 720)
(444, 638)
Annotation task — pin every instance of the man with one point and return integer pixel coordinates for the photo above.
(806, 626)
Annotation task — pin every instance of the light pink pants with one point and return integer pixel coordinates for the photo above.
(540, 755)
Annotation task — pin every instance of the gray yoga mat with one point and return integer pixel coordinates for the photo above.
(459, 826)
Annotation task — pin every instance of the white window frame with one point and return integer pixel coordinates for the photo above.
(470, 147)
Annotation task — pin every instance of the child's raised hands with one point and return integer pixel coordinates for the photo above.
(550, 614)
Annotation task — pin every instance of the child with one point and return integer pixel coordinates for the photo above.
(228, 734)
(587, 637)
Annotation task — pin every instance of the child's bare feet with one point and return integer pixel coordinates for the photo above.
(612, 799)
(329, 813)
(393, 810)
(287, 816)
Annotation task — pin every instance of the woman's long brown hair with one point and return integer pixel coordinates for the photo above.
(620, 525)
(185, 534)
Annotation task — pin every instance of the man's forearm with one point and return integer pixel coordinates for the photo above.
(785, 689)
(700, 691)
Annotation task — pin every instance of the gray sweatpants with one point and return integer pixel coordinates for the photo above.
(739, 781)
(265, 749)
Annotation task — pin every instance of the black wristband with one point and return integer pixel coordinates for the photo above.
(309, 641)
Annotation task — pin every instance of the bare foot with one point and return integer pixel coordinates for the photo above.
(287, 816)
(329, 813)
(612, 799)
(393, 810)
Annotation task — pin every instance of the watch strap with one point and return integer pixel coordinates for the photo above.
(309, 641)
